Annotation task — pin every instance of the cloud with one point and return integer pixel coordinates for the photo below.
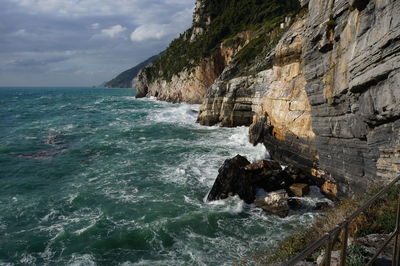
(95, 26)
(41, 36)
(153, 31)
(150, 31)
(114, 31)
(20, 32)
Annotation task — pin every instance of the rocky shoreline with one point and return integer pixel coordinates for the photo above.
(325, 99)
(268, 185)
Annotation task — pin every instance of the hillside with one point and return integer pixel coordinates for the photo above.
(124, 80)
(220, 30)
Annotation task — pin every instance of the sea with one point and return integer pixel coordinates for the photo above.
(92, 176)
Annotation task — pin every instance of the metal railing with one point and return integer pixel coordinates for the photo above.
(330, 238)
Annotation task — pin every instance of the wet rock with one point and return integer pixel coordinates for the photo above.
(300, 190)
(268, 175)
(238, 176)
(320, 206)
(275, 203)
(257, 130)
(295, 204)
(262, 165)
(233, 180)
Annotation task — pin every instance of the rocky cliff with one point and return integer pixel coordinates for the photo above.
(329, 101)
(324, 96)
(193, 62)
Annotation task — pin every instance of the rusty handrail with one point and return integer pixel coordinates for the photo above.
(329, 238)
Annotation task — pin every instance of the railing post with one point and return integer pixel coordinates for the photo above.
(343, 254)
(330, 240)
(328, 251)
(396, 249)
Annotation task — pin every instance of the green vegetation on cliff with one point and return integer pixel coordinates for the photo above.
(227, 18)
(124, 80)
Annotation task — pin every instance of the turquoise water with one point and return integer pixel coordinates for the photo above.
(96, 177)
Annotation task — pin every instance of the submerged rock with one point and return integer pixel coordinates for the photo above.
(42, 155)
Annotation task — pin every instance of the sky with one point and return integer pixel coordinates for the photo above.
(83, 42)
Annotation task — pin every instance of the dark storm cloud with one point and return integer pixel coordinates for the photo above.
(70, 42)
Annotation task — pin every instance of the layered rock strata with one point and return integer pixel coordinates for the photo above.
(187, 86)
(265, 184)
(330, 101)
(326, 99)
(354, 89)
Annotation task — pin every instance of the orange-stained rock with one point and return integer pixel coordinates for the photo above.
(259, 165)
(330, 189)
(300, 190)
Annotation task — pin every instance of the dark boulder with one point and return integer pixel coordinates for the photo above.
(233, 180)
(268, 175)
(320, 206)
(238, 177)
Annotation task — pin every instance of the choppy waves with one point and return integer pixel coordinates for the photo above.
(128, 187)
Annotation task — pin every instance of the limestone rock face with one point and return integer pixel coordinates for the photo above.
(325, 100)
(187, 86)
(233, 102)
(197, 30)
(190, 85)
(329, 101)
(274, 102)
(353, 90)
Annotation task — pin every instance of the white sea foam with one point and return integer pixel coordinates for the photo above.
(51, 214)
(226, 143)
(164, 262)
(3, 226)
(315, 196)
(175, 114)
(84, 229)
(232, 205)
(27, 259)
(200, 233)
(81, 260)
